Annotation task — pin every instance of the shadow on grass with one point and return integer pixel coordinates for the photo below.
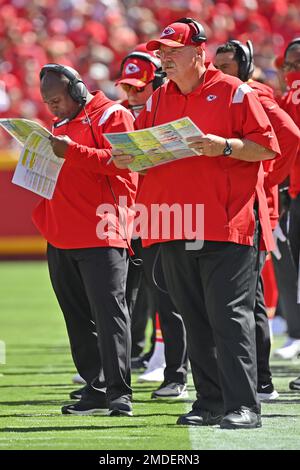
(88, 427)
(285, 370)
(31, 402)
(38, 385)
(56, 372)
(164, 401)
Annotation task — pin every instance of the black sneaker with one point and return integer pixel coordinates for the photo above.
(295, 384)
(138, 363)
(77, 394)
(266, 392)
(198, 417)
(87, 407)
(120, 407)
(243, 418)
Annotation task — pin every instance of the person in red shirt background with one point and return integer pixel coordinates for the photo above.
(213, 287)
(291, 104)
(141, 75)
(87, 263)
(236, 59)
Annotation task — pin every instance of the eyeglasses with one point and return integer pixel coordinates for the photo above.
(172, 52)
(291, 65)
(126, 87)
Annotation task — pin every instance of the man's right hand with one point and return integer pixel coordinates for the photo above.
(121, 160)
(60, 144)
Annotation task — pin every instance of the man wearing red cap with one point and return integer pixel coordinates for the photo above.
(141, 74)
(236, 59)
(212, 283)
(291, 104)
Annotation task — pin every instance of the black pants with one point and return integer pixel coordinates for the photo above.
(172, 326)
(90, 285)
(286, 269)
(214, 289)
(140, 304)
(263, 341)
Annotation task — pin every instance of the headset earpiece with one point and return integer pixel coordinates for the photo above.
(245, 59)
(76, 88)
(159, 76)
(200, 35)
(292, 43)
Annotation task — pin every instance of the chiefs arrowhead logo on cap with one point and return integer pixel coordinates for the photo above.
(167, 32)
(131, 68)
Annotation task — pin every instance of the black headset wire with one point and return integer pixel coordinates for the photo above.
(135, 261)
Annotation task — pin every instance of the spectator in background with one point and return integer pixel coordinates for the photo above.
(70, 32)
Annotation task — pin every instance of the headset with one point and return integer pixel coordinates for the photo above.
(292, 43)
(244, 56)
(76, 88)
(159, 75)
(200, 35)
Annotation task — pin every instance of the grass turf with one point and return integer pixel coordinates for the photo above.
(37, 376)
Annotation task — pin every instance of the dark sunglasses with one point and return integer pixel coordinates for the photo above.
(126, 87)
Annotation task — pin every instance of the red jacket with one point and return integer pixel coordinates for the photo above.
(291, 104)
(224, 106)
(288, 136)
(70, 219)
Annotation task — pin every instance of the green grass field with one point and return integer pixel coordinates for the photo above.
(37, 377)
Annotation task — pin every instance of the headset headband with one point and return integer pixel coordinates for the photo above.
(76, 87)
(200, 35)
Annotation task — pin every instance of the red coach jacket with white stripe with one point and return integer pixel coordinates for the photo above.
(227, 187)
(71, 219)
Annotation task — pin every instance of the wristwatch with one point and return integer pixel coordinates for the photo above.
(227, 149)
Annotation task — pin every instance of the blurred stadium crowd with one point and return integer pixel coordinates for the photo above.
(93, 36)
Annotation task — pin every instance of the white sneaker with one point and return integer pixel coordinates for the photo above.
(156, 375)
(290, 349)
(77, 379)
(268, 396)
(171, 391)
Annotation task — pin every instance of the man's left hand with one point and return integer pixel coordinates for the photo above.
(209, 145)
(60, 144)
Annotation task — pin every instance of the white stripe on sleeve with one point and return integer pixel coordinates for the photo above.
(241, 91)
(108, 112)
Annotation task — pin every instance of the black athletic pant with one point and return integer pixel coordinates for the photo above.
(172, 326)
(214, 289)
(263, 341)
(89, 284)
(140, 304)
(286, 269)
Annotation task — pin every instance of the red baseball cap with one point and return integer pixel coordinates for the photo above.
(137, 72)
(174, 35)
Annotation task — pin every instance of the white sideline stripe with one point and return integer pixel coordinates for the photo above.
(108, 112)
(194, 435)
(241, 91)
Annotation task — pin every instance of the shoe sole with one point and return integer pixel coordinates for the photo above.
(294, 387)
(86, 413)
(240, 426)
(119, 413)
(182, 396)
(184, 422)
(268, 396)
